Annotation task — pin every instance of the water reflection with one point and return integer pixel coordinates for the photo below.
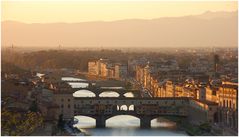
(111, 87)
(109, 94)
(71, 79)
(78, 85)
(85, 122)
(123, 121)
(123, 125)
(129, 94)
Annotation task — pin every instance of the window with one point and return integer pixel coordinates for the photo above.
(62, 106)
(62, 100)
(69, 106)
(69, 100)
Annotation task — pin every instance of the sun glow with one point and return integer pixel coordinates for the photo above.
(81, 11)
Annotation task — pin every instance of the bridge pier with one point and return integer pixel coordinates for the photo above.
(145, 122)
(97, 95)
(100, 122)
(121, 95)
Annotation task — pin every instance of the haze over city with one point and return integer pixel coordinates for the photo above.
(119, 68)
(119, 24)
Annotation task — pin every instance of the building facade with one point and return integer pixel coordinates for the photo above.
(105, 69)
(228, 105)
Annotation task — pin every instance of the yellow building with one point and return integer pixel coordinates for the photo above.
(93, 67)
(103, 69)
(228, 100)
(179, 90)
(211, 94)
(170, 88)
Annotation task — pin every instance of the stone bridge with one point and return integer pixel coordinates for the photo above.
(80, 81)
(104, 108)
(145, 109)
(98, 90)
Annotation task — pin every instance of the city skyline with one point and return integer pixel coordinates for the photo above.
(119, 68)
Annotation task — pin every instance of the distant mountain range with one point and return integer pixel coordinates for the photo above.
(218, 29)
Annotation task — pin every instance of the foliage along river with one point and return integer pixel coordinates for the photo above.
(123, 125)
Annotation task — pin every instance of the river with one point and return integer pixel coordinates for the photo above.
(123, 125)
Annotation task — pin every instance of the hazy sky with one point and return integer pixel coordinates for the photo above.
(81, 11)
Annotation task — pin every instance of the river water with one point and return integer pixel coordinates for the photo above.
(123, 125)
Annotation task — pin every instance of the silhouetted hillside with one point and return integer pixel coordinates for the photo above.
(208, 29)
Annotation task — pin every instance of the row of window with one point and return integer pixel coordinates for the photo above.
(228, 104)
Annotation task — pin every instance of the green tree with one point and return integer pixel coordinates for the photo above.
(34, 107)
(16, 124)
(61, 122)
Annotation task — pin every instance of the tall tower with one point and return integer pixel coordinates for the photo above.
(216, 61)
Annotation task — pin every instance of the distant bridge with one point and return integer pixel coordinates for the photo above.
(80, 81)
(98, 90)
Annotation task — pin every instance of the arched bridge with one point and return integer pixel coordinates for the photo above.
(145, 109)
(80, 81)
(98, 90)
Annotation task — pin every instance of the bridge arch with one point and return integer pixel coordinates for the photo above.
(162, 121)
(124, 107)
(84, 93)
(78, 85)
(109, 94)
(122, 121)
(85, 121)
(129, 94)
(131, 108)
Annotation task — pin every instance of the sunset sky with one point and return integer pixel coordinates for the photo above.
(81, 11)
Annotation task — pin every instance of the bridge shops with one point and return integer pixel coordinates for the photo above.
(146, 109)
